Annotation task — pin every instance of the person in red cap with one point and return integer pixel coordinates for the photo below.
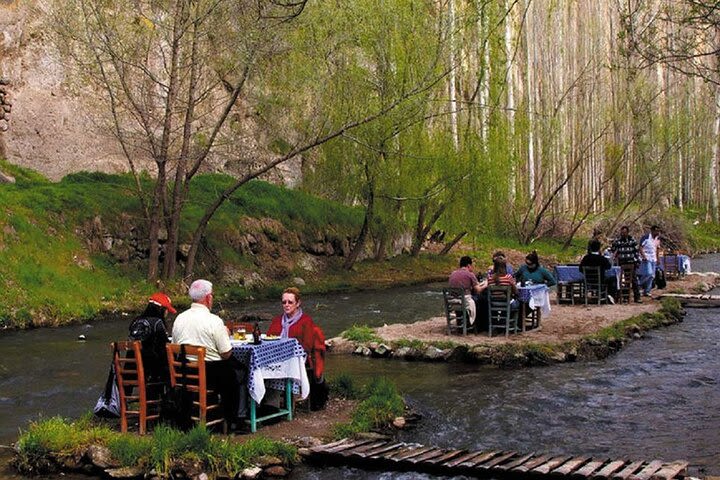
(149, 328)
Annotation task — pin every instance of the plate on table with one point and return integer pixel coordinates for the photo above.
(269, 337)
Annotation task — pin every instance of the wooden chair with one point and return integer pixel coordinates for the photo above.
(456, 310)
(627, 279)
(671, 265)
(568, 292)
(187, 369)
(133, 389)
(594, 285)
(500, 313)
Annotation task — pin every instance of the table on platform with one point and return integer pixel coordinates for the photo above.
(281, 363)
(683, 263)
(537, 298)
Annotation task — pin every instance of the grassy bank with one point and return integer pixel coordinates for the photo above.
(53, 272)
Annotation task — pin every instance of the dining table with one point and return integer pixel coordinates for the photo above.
(536, 297)
(572, 274)
(683, 263)
(277, 363)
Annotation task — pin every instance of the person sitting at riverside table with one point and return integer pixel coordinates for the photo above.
(595, 259)
(197, 326)
(294, 323)
(464, 278)
(499, 255)
(149, 328)
(533, 273)
(501, 276)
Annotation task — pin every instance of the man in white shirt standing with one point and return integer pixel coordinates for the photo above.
(197, 326)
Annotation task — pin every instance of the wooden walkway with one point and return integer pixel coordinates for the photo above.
(391, 455)
(695, 300)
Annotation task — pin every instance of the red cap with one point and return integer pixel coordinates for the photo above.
(163, 300)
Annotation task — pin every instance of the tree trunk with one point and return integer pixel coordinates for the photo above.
(448, 246)
(715, 159)
(453, 75)
(369, 214)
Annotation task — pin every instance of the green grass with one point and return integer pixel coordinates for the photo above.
(360, 334)
(381, 405)
(57, 437)
(342, 385)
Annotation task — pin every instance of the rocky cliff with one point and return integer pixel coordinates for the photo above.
(55, 126)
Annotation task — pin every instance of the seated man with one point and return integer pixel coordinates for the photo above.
(595, 259)
(464, 278)
(197, 326)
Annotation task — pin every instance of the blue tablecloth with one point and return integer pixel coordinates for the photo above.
(272, 359)
(684, 264)
(571, 273)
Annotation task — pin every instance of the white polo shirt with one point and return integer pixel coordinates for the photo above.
(197, 326)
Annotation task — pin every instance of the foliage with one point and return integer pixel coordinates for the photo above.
(381, 405)
(342, 385)
(56, 437)
(361, 334)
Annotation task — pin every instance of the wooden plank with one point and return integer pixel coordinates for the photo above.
(413, 453)
(553, 463)
(646, 472)
(327, 446)
(449, 455)
(399, 454)
(527, 466)
(570, 466)
(457, 461)
(383, 451)
(516, 462)
(588, 468)
(483, 457)
(361, 449)
(496, 461)
(609, 469)
(435, 452)
(628, 470)
(670, 471)
(345, 446)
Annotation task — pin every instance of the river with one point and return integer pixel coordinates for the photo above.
(657, 398)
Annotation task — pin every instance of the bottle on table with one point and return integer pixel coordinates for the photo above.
(256, 334)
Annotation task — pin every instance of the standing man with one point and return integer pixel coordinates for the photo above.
(649, 244)
(625, 251)
(464, 278)
(197, 326)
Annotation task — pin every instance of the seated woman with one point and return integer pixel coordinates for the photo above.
(294, 323)
(533, 272)
(499, 276)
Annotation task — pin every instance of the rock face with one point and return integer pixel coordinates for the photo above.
(58, 126)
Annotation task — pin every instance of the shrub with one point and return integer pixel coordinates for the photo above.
(343, 386)
(360, 334)
(382, 404)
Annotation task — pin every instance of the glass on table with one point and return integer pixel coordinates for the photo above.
(239, 334)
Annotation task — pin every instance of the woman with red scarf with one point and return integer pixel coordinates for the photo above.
(293, 323)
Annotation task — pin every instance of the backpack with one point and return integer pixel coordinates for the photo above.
(108, 405)
(659, 280)
(140, 329)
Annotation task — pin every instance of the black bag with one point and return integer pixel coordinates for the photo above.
(176, 404)
(319, 392)
(660, 281)
(108, 405)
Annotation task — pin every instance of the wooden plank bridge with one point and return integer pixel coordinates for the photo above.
(391, 455)
(695, 300)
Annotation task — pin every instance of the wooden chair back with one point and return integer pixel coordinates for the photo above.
(187, 369)
(500, 312)
(456, 310)
(594, 284)
(627, 279)
(133, 389)
(671, 265)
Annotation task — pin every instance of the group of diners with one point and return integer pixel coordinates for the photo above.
(500, 273)
(623, 250)
(198, 326)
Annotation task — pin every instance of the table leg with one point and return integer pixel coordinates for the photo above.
(522, 316)
(288, 398)
(253, 416)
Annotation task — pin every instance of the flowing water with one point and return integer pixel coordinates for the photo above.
(657, 398)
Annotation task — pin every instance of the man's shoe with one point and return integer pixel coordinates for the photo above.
(611, 300)
(638, 300)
